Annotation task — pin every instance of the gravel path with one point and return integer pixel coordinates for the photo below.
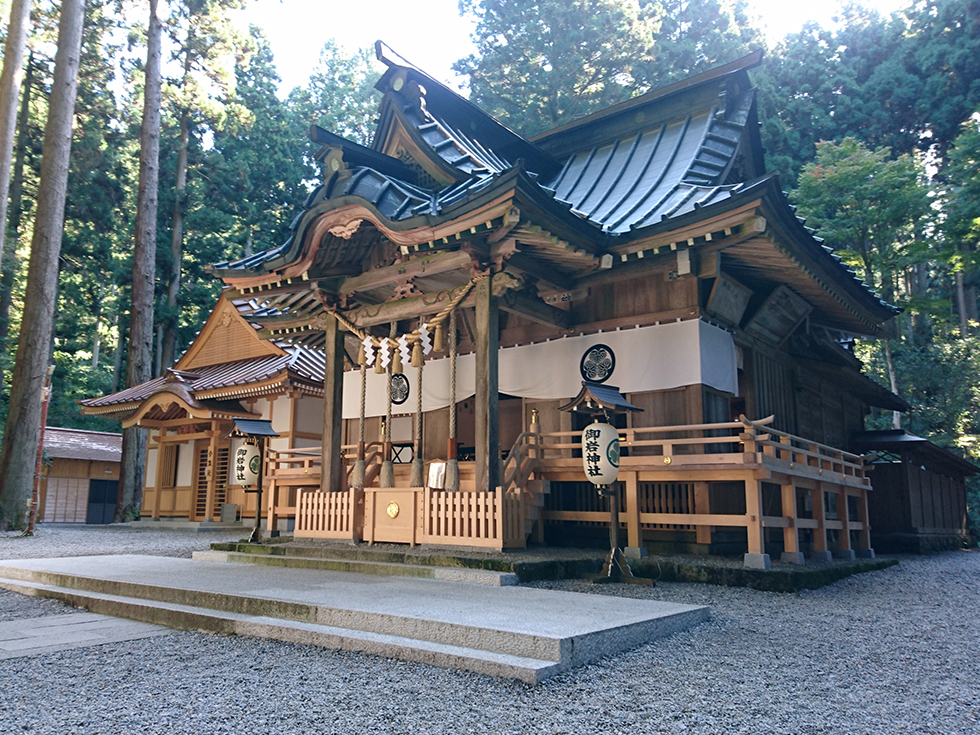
(894, 651)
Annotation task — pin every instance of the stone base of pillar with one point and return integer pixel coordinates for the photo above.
(845, 554)
(865, 553)
(821, 557)
(792, 557)
(635, 552)
(756, 561)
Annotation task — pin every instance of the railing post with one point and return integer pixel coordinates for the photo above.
(702, 506)
(817, 499)
(634, 535)
(756, 558)
(791, 535)
(844, 550)
(864, 535)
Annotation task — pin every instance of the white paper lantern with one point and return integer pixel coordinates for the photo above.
(600, 453)
(247, 461)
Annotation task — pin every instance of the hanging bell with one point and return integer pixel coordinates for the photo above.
(439, 343)
(417, 357)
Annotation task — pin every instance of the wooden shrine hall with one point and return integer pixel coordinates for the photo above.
(457, 282)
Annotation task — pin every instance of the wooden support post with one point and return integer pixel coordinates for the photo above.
(864, 535)
(634, 535)
(756, 558)
(212, 472)
(817, 499)
(702, 506)
(844, 550)
(332, 467)
(791, 534)
(158, 480)
(487, 442)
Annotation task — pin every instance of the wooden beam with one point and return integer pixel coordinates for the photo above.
(527, 265)
(535, 310)
(418, 306)
(390, 275)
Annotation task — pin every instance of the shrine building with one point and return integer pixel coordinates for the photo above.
(448, 288)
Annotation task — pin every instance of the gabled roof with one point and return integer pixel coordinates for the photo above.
(98, 446)
(661, 162)
(211, 384)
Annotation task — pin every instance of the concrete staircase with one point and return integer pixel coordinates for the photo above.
(514, 632)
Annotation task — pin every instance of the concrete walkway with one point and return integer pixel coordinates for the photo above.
(517, 632)
(32, 636)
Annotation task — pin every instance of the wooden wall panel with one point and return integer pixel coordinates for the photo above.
(66, 500)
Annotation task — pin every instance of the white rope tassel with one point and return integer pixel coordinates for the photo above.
(452, 465)
(357, 476)
(387, 476)
(418, 465)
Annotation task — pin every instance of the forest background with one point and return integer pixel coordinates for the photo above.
(873, 127)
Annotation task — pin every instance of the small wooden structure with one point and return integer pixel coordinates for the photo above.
(80, 476)
(644, 244)
(920, 499)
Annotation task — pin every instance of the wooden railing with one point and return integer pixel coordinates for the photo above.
(482, 519)
(327, 515)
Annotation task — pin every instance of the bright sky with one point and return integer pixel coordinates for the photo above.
(430, 33)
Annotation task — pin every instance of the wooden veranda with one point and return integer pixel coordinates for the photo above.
(690, 478)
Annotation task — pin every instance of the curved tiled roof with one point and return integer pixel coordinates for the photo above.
(300, 362)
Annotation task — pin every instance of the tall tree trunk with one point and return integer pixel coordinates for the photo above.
(122, 329)
(961, 304)
(10, 264)
(139, 359)
(13, 64)
(97, 336)
(893, 382)
(169, 346)
(22, 429)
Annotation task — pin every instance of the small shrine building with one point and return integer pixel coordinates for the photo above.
(447, 288)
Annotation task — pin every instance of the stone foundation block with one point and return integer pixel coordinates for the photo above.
(757, 561)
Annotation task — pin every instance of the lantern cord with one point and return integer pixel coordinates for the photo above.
(387, 476)
(418, 464)
(452, 464)
(360, 467)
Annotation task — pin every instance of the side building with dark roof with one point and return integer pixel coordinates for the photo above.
(79, 476)
(646, 245)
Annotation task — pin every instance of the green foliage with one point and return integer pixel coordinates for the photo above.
(340, 96)
(541, 64)
(696, 35)
(963, 210)
(868, 206)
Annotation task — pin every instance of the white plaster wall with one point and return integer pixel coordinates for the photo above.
(309, 414)
(281, 414)
(150, 479)
(185, 464)
(306, 443)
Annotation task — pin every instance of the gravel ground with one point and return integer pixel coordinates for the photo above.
(894, 651)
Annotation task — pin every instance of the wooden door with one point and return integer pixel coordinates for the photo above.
(221, 465)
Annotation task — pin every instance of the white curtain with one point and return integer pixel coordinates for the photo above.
(647, 358)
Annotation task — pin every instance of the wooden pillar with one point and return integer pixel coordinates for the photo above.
(702, 506)
(157, 480)
(634, 537)
(212, 471)
(753, 509)
(487, 441)
(332, 470)
(844, 549)
(791, 535)
(864, 535)
(817, 498)
(756, 557)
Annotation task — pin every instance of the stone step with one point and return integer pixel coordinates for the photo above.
(189, 617)
(469, 626)
(381, 568)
